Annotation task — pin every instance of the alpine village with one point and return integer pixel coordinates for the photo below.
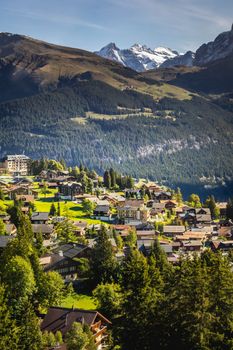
(95, 262)
(116, 175)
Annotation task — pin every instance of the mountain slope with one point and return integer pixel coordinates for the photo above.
(78, 106)
(220, 48)
(181, 60)
(137, 57)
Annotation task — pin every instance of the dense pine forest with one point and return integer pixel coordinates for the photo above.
(188, 132)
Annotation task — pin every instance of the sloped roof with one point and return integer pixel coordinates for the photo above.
(40, 216)
(173, 229)
(42, 228)
(61, 319)
(203, 218)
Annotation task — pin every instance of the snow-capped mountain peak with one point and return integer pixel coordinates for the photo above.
(138, 57)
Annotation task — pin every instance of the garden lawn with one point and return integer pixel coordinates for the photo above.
(74, 210)
(79, 301)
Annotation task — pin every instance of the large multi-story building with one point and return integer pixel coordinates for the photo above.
(134, 213)
(16, 164)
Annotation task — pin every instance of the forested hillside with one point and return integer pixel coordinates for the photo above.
(101, 114)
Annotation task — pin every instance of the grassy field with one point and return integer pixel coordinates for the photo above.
(74, 210)
(80, 301)
(97, 116)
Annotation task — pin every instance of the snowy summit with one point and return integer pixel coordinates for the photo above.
(138, 57)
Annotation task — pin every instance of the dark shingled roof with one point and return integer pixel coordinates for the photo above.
(61, 319)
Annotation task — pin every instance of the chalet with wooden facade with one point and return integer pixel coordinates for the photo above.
(62, 319)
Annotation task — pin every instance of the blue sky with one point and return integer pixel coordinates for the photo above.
(91, 24)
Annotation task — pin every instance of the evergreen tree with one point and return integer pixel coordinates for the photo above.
(161, 261)
(102, 262)
(44, 188)
(109, 297)
(30, 333)
(131, 239)
(9, 332)
(229, 211)
(107, 179)
(210, 203)
(113, 177)
(15, 213)
(130, 182)
(221, 301)
(178, 196)
(39, 244)
(52, 211)
(139, 303)
(84, 180)
(186, 317)
(89, 186)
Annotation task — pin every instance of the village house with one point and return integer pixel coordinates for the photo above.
(145, 245)
(151, 188)
(192, 246)
(80, 228)
(191, 236)
(169, 204)
(203, 219)
(114, 199)
(62, 319)
(163, 196)
(168, 249)
(50, 185)
(158, 208)
(47, 230)
(26, 199)
(122, 230)
(152, 234)
(40, 218)
(222, 206)
(133, 214)
(65, 260)
(173, 230)
(204, 211)
(187, 218)
(102, 212)
(69, 190)
(19, 190)
(224, 246)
